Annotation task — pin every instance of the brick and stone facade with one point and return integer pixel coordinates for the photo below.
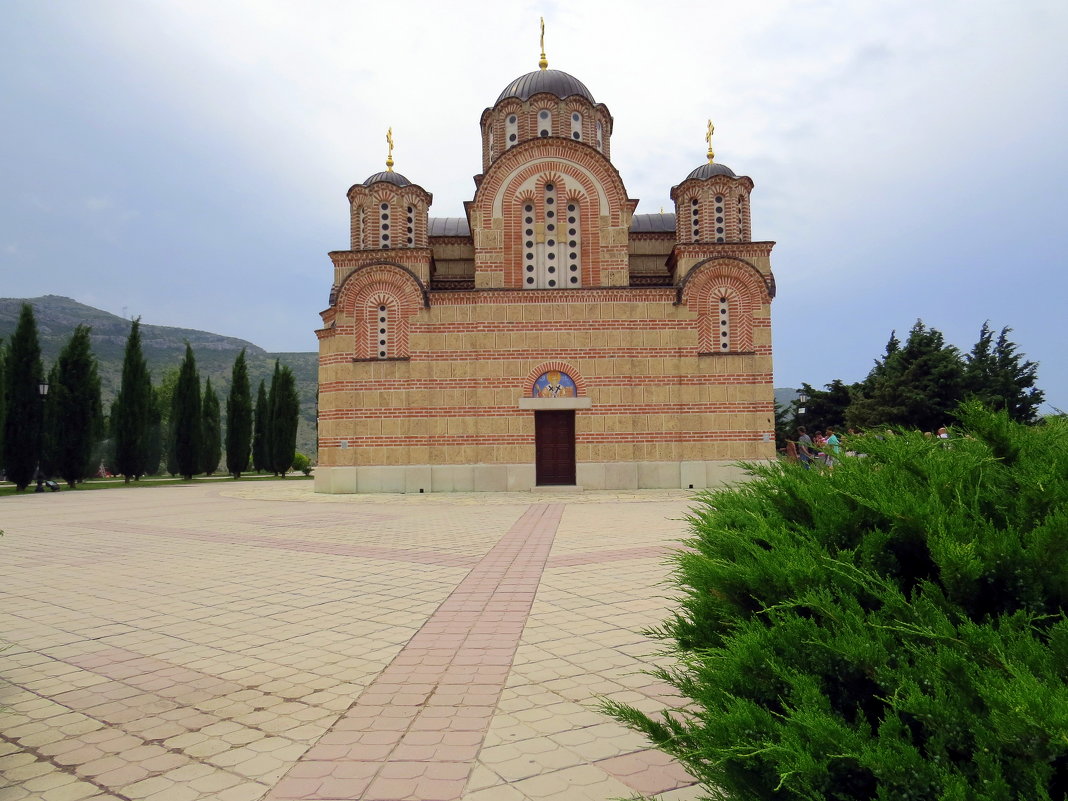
(552, 336)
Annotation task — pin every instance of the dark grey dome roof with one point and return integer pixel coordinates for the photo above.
(553, 81)
(710, 170)
(394, 178)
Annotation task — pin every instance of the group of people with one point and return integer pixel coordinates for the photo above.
(824, 447)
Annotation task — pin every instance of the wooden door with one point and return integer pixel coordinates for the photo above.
(554, 444)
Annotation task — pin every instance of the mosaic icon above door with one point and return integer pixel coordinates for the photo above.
(554, 384)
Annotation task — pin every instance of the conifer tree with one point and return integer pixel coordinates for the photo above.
(285, 411)
(260, 444)
(238, 419)
(186, 421)
(997, 376)
(918, 384)
(211, 432)
(825, 407)
(131, 413)
(24, 409)
(76, 416)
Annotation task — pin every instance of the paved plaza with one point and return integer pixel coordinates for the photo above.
(246, 641)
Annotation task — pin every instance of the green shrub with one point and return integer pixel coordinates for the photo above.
(302, 463)
(893, 628)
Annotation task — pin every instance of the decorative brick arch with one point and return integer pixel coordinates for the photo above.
(729, 288)
(380, 300)
(563, 367)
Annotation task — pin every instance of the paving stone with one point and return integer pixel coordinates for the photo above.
(243, 628)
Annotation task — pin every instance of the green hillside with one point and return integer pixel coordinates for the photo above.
(164, 347)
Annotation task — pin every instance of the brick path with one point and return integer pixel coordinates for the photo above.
(257, 641)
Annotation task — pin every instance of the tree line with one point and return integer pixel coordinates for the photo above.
(176, 426)
(920, 383)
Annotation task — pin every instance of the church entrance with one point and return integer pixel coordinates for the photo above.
(554, 444)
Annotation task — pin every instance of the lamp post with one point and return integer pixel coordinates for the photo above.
(802, 399)
(42, 390)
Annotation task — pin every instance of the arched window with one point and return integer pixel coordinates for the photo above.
(695, 218)
(722, 337)
(380, 334)
(411, 226)
(545, 122)
(718, 220)
(743, 235)
(600, 136)
(358, 224)
(576, 125)
(489, 139)
(511, 131)
(384, 237)
(573, 245)
(549, 259)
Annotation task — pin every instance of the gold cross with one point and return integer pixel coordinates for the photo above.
(708, 138)
(389, 156)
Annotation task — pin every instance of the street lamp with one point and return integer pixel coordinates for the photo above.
(42, 390)
(802, 399)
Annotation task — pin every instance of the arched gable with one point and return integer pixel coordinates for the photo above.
(724, 293)
(380, 300)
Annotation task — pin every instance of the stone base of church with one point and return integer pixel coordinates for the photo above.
(521, 477)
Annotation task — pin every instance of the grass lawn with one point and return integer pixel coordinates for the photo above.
(7, 488)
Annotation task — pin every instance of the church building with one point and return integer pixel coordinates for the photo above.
(552, 336)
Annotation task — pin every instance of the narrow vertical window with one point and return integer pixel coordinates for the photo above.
(511, 130)
(550, 276)
(489, 140)
(724, 333)
(743, 235)
(358, 235)
(384, 225)
(382, 333)
(600, 136)
(411, 226)
(695, 219)
(530, 265)
(545, 123)
(573, 245)
(576, 125)
(720, 237)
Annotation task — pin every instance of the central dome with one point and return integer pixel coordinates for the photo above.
(554, 82)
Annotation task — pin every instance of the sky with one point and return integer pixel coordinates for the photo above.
(187, 162)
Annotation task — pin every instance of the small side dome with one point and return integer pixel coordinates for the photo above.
(711, 170)
(554, 82)
(390, 177)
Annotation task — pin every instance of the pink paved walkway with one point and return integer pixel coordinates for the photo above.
(235, 644)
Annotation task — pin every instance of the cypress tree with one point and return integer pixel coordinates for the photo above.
(211, 433)
(285, 410)
(238, 419)
(261, 426)
(186, 418)
(131, 413)
(76, 417)
(24, 409)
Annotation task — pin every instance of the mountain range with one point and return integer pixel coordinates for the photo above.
(164, 348)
